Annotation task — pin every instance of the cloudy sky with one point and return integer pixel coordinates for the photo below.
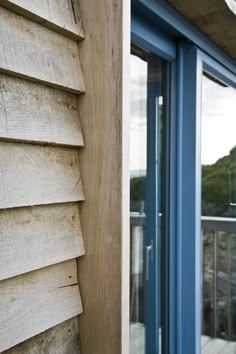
(218, 121)
(138, 126)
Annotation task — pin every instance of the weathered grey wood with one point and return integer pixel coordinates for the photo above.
(61, 339)
(33, 175)
(32, 51)
(36, 301)
(62, 16)
(36, 237)
(33, 112)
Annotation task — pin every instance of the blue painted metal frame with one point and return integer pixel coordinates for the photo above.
(151, 284)
(153, 40)
(172, 207)
(188, 201)
(212, 67)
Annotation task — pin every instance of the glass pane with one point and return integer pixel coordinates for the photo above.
(147, 138)
(138, 170)
(218, 160)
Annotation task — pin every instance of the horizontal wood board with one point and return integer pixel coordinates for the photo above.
(32, 51)
(61, 339)
(37, 113)
(36, 301)
(33, 175)
(36, 237)
(62, 16)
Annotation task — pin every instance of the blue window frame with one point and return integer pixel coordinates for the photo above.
(146, 36)
(157, 27)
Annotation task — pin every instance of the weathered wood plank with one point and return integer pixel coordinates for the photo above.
(32, 51)
(34, 302)
(62, 16)
(33, 112)
(61, 339)
(36, 237)
(33, 175)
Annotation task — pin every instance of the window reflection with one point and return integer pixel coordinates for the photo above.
(138, 169)
(218, 216)
(147, 187)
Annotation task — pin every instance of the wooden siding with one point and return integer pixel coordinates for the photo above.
(62, 16)
(40, 181)
(30, 175)
(61, 339)
(35, 237)
(36, 301)
(32, 51)
(36, 113)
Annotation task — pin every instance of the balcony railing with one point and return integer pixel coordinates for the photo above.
(219, 277)
(218, 274)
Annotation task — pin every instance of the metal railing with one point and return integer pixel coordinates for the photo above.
(218, 274)
(219, 277)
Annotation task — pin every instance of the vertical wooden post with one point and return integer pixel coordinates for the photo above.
(104, 167)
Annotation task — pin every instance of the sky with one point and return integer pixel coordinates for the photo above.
(218, 129)
(218, 118)
(138, 127)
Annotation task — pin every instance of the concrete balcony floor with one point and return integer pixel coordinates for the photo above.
(209, 345)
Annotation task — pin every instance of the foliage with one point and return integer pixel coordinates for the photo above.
(218, 188)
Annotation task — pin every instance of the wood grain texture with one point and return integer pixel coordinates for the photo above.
(62, 16)
(213, 18)
(34, 302)
(61, 339)
(36, 237)
(101, 166)
(32, 51)
(33, 175)
(125, 171)
(36, 113)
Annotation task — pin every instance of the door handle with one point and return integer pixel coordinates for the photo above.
(149, 251)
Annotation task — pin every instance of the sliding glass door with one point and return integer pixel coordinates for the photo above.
(206, 222)
(218, 216)
(148, 192)
(183, 188)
